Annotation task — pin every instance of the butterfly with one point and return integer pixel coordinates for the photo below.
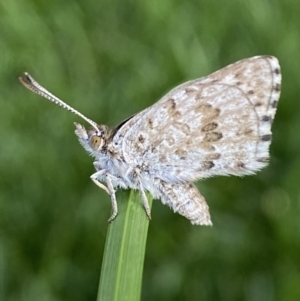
(215, 125)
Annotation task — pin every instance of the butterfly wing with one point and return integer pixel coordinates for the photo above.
(215, 125)
(185, 199)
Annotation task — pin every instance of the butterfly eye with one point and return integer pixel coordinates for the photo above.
(96, 142)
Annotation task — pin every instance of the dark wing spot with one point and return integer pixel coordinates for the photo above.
(209, 127)
(190, 90)
(172, 103)
(274, 104)
(258, 104)
(177, 114)
(207, 165)
(163, 158)
(141, 139)
(266, 138)
(250, 92)
(218, 111)
(266, 118)
(277, 71)
(248, 131)
(212, 136)
(201, 105)
(277, 87)
(213, 156)
(263, 160)
(181, 152)
(240, 165)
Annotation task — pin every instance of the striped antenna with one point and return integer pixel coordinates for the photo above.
(31, 84)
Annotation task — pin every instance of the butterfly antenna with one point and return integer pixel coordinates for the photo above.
(31, 84)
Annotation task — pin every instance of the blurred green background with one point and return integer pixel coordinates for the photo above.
(111, 59)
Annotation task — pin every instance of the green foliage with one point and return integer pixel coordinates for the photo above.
(123, 259)
(111, 59)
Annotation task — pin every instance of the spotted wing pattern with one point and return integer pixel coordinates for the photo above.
(215, 125)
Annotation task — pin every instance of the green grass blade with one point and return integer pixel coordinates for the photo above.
(123, 260)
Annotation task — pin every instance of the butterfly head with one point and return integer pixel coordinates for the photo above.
(92, 140)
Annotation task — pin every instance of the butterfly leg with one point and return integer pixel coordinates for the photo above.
(109, 189)
(113, 199)
(143, 195)
(94, 178)
(145, 202)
